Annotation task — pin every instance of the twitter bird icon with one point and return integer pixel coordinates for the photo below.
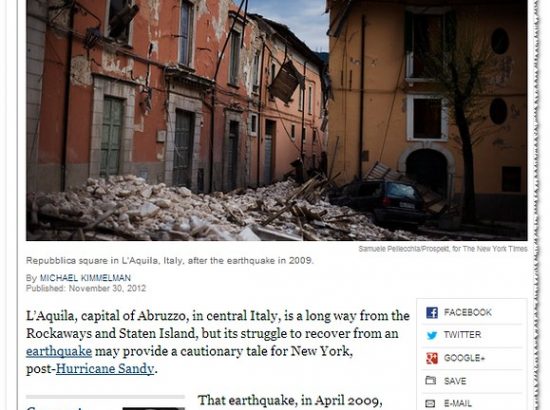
(432, 335)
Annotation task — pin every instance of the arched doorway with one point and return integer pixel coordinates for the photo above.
(428, 167)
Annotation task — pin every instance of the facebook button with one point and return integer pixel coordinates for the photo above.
(431, 312)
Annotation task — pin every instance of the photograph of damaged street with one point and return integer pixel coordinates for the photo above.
(303, 120)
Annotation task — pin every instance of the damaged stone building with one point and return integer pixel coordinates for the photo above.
(388, 109)
(290, 103)
(174, 91)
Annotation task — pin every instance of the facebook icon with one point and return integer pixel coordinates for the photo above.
(431, 312)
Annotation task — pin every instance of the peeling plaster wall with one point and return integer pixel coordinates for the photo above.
(81, 71)
(154, 37)
(103, 60)
(154, 10)
(213, 23)
(36, 37)
(201, 7)
(113, 63)
(253, 46)
(220, 21)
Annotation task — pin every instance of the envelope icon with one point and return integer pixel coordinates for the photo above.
(431, 380)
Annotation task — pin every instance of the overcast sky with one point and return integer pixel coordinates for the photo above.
(306, 18)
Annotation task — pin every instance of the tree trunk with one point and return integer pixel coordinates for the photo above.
(469, 199)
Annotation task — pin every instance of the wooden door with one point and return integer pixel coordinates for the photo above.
(183, 149)
(111, 137)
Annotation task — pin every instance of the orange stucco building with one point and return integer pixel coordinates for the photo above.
(385, 109)
(175, 91)
(280, 122)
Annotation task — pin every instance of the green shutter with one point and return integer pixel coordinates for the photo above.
(408, 32)
(450, 31)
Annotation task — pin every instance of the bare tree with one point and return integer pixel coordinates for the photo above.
(465, 68)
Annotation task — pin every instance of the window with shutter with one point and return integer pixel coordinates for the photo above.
(186, 33)
(234, 61)
(427, 34)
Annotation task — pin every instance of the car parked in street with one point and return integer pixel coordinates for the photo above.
(389, 201)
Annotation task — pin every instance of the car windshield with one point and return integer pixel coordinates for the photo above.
(402, 191)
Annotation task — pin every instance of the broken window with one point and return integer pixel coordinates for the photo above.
(427, 35)
(256, 72)
(253, 124)
(426, 117)
(121, 13)
(273, 71)
(186, 32)
(272, 74)
(234, 59)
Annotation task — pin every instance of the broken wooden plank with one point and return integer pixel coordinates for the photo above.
(99, 220)
(269, 234)
(278, 214)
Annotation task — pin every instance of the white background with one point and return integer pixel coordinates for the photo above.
(8, 72)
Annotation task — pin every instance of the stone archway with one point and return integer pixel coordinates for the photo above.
(428, 168)
(430, 164)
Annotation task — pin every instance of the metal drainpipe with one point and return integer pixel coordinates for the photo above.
(213, 101)
(66, 104)
(211, 153)
(362, 97)
(303, 115)
(260, 115)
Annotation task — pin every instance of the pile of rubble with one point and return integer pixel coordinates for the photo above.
(127, 208)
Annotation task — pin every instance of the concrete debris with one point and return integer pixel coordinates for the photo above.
(126, 208)
(247, 234)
